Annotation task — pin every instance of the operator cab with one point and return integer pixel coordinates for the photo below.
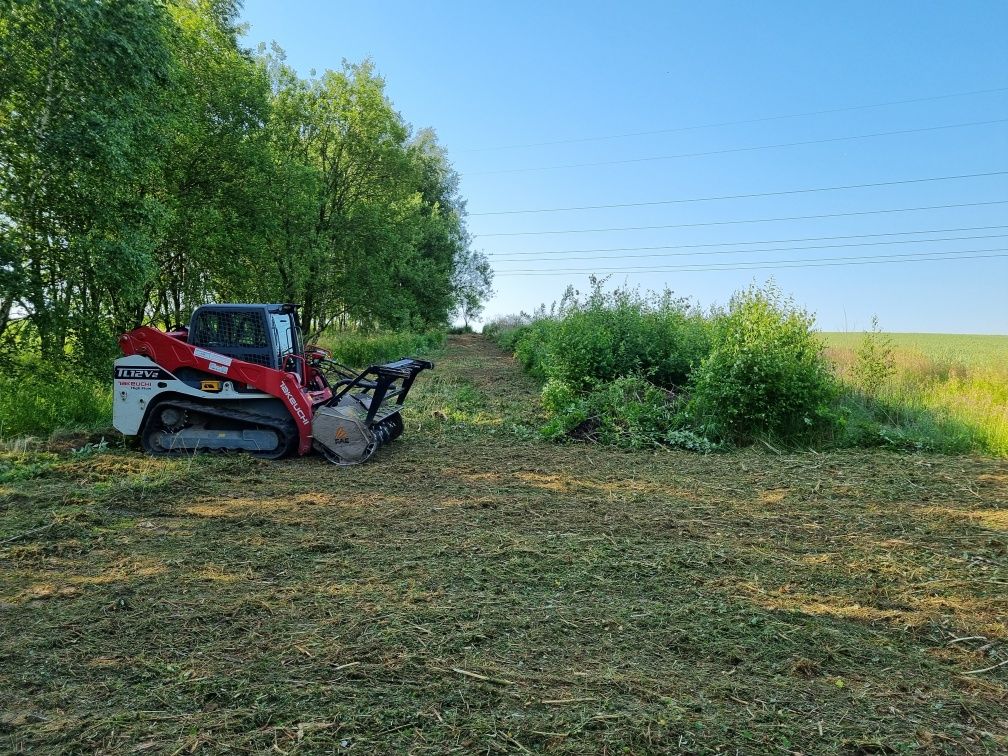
(264, 334)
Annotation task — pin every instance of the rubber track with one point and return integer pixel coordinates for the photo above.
(286, 432)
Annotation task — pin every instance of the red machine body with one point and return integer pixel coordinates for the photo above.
(302, 388)
(239, 379)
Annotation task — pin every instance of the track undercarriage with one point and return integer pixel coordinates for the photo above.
(361, 417)
(177, 426)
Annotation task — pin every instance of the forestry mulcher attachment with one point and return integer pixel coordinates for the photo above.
(238, 378)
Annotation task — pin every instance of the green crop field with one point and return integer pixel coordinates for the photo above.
(949, 391)
(971, 350)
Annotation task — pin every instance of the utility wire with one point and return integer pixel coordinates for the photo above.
(715, 198)
(736, 243)
(747, 220)
(769, 249)
(731, 150)
(763, 119)
(966, 254)
(741, 263)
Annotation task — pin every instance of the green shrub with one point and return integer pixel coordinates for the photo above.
(610, 335)
(531, 345)
(629, 411)
(875, 363)
(624, 334)
(509, 338)
(557, 396)
(682, 338)
(651, 370)
(766, 374)
(358, 349)
(504, 329)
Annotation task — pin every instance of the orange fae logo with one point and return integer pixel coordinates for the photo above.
(341, 436)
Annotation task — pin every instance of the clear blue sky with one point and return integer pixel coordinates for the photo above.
(521, 73)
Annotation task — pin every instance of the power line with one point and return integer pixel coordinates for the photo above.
(774, 264)
(730, 265)
(739, 264)
(736, 123)
(715, 198)
(748, 220)
(736, 243)
(698, 269)
(731, 150)
(775, 249)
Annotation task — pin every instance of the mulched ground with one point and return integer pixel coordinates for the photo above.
(475, 590)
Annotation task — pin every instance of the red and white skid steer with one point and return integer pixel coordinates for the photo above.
(238, 378)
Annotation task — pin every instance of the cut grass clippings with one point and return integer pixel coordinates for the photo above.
(476, 590)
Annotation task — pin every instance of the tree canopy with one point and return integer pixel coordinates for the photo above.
(149, 164)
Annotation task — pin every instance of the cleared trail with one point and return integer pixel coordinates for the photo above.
(478, 590)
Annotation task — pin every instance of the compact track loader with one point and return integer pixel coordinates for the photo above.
(238, 378)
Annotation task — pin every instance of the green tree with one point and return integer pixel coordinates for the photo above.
(217, 167)
(149, 164)
(80, 91)
(293, 187)
(368, 223)
(473, 282)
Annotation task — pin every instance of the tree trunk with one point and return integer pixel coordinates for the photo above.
(5, 311)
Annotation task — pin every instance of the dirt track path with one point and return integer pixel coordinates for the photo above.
(478, 590)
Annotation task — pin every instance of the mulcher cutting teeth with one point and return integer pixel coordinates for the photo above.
(364, 414)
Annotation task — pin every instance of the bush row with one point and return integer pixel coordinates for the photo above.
(647, 369)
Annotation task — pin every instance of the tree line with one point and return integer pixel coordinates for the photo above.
(149, 163)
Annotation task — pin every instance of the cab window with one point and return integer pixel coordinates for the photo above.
(284, 330)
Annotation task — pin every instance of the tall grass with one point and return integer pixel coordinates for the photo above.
(945, 392)
(38, 404)
(360, 349)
